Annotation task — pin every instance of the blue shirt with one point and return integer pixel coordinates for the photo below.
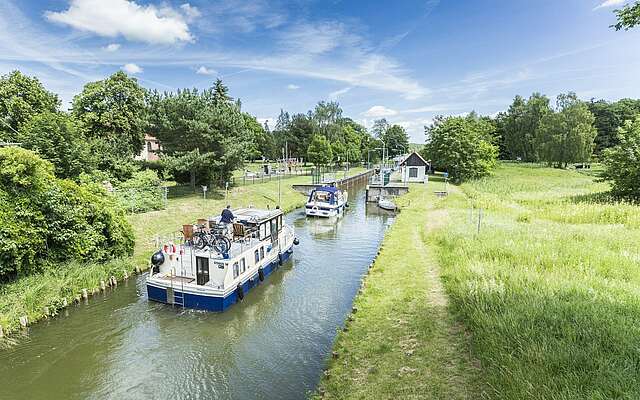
(227, 216)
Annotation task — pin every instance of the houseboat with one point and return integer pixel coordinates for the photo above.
(326, 201)
(213, 277)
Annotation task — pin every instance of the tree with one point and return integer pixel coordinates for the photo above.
(567, 135)
(622, 162)
(56, 138)
(200, 134)
(113, 111)
(461, 146)
(319, 151)
(395, 139)
(521, 126)
(609, 117)
(221, 94)
(260, 141)
(379, 127)
(628, 17)
(22, 97)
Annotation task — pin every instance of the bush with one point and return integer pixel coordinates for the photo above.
(623, 162)
(45, 220)
(462, 146)
(143, 192)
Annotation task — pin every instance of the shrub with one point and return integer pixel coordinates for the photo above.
(143, 192)
(45, 220)
(623, 162)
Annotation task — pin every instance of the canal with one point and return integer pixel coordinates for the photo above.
(273, 345)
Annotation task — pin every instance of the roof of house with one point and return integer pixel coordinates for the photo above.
(414, 159)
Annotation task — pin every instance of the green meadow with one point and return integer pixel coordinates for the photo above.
(542, 302)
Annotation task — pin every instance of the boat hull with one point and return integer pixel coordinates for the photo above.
(325, 212)
(213, 302)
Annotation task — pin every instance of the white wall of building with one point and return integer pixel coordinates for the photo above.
(419, 172)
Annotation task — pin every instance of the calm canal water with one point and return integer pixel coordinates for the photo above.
(271, 346)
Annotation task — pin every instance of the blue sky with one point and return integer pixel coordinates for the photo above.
(405, 60)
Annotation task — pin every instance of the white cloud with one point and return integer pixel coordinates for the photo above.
(291, 86)
(379, 111)
(610, 3)
(205, 71)
(131, 68)
(190, 12)
(148, 23)
(338, 93)
(317, 38)
(112, 47)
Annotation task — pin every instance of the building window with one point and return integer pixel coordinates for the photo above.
(261, 252)
(236, 270)
(257, 256)
(413, 172)
(243, 266)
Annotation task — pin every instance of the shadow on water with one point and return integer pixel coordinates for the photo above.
(272, 345)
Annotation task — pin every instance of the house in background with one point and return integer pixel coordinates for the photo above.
(150, 150)
(414, 168)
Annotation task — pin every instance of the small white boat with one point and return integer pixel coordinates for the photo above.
(326, 201)
(387, 204)
(213, 277)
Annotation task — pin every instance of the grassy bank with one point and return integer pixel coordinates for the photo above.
(546, 292)
(549, 288)
(30, 295)
(402, 340)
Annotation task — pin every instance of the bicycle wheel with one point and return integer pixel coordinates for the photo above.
(198, 242)
(221, 244)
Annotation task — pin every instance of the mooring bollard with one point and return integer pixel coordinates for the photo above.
(95, 291)
(24, 321)
(114, 281)
(334, 354)
(103, 287)
(126, 275)
(85, 294)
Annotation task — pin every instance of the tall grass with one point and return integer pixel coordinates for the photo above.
(550, 287)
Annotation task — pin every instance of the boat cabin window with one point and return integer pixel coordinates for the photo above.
(202, 270)
(280, 223)
(267, 227)
(257, 256)
(261, 252)
(263, 232)
(243, 266)
(236, 270)
(321, 196)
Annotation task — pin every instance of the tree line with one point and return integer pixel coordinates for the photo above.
(535, 130)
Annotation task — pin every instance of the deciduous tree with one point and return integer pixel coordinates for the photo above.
(623, 161)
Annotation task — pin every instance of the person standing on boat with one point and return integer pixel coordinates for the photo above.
(227, 215)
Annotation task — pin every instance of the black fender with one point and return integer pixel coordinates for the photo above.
(279, 258)
(261, 275)
(240, 292)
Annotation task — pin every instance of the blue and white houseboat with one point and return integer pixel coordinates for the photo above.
(207, 279)
(326, 201)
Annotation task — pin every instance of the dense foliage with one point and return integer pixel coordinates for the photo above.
(203, 133)
(142, 192)
(22, 97)
(319, 151)
(462, 146)
(348, 140)
(623, 161)
(57, 138)
(567, 134)
(45, 220)
(609, 117)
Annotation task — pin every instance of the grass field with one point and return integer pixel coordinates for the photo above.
(403, 341)
(29, 295)
(547, 295)
(549, 288)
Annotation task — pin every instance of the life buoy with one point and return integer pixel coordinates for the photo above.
(240, 292)
(261, 275)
